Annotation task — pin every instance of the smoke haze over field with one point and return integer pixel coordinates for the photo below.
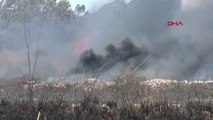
(121, 36)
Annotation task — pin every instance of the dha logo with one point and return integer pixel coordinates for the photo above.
(174, 23)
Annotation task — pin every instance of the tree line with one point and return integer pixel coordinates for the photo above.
(16, 11)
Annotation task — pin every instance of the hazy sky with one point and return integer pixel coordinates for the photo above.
(93, 5)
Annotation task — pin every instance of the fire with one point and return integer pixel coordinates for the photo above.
(82, 42)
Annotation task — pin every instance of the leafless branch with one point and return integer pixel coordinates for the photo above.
(36, 57)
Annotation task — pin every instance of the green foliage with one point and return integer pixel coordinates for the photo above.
(62, 11)
(80, 9)
(19, 11)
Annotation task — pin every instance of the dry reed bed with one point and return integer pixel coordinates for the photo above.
(134, 101)
(90, 108)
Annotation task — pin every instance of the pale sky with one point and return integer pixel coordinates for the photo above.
(187, 4)
(93, 5)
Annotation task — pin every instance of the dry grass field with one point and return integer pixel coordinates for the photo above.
(126, 97)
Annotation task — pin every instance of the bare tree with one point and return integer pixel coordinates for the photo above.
(27, 38)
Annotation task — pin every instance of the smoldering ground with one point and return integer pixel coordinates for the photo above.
(181, 52)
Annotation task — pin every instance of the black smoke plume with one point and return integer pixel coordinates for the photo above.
(90, 62)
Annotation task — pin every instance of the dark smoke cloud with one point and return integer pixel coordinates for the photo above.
(91, 62)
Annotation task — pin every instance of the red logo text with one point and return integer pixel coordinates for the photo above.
(174, 23)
